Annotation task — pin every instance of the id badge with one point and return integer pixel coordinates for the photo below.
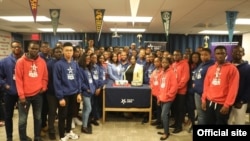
(90, 81)
(162, 85)
(156, 83)
(14, 77)
(216, 82)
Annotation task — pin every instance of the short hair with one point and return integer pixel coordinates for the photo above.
(220, 47)
(45, 42)
(15, 41)
(33, 42)
(207, 50)
(67, 44)
(56, 48)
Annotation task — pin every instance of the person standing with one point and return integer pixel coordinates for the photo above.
(167, 92)
(31, 81)
(51, 97)
(66, 82)
(7, 81)
(44, 53)
(198, 80)
(220, 88)
(239, 108)
(181, 69)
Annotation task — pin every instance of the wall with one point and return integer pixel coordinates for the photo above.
(246, 45)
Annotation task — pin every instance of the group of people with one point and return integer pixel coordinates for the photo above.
(56, 83)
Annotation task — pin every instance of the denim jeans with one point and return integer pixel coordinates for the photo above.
(36, 102)
(10, 102)
(86, 110)
(165, 115)
(200, 113)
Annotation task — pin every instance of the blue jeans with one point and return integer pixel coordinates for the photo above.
(10, 102)
(165, 115)
(86, 110)
(201, 114)
(36, 102)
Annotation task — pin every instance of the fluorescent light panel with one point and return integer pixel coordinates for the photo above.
(127, 30)
(58, 29)
(25, 18)
(126, 19)
(242, 21)
(215, 32)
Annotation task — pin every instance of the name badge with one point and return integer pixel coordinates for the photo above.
(216, 82)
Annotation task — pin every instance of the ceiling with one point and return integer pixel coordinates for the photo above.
(188, 16)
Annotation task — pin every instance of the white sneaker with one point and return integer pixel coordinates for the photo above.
(77, 121)
(64, 138)
(73, 126)
(72, 135)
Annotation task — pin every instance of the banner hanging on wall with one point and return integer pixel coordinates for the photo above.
(99, 13)
(231, 18)
(54, 15)
(166, 17)
(5, 40)
(33, 7)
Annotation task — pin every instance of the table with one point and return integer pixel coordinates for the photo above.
(127, 99)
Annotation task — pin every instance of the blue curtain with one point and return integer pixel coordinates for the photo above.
(176, 41)
(17, 37)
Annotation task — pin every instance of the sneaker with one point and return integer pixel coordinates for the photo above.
(77, 121)
(177, 130)
(86, 130)
(64, 138)
(73, 125)
(72, 135)
(155, 123)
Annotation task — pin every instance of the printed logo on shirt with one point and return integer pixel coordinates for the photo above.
(70, 74)
(95, 75)
(90, 78)
(33, 71)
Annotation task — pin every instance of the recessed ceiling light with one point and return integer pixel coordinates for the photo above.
(25, 18)
(127, 30)
(215, 32)
(126, 19)
(58, 29)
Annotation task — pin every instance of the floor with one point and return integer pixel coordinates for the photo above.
(115, 128)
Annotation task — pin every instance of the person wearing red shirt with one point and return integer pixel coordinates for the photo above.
(220, 88)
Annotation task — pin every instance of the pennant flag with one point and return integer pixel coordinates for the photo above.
(166, 17)
(231, 18)
(99, 13)
(54, 14)
(33, 7)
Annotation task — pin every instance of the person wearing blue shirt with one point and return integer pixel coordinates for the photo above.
(97, 75)
(198, 80)
(44, 53)
(51, 97)
(114, 68)
(88, 90)
(148, 68)
(67, 85)
(238, 112)
(7, 81)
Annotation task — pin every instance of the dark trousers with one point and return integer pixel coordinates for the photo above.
(65, 114)
(52, 108)
(179, 110)
(156, 109)
(190, 107)
(45, 110)
(2, 113)
(10, 102)
(95, 112)
(213, 115)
